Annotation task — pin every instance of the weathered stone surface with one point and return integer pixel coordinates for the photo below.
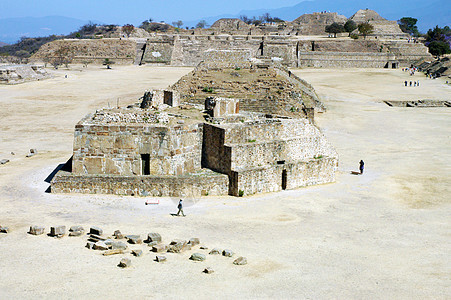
(118, 235)
(228, 253)
(125, 263)
(113, 252)
(203, 247)
(96, 238)
(76, 228)
(240, 261)
(90, 245)
(109, 242)
(194, 241)
(95, 230)
(208, 270)
(178, 246)
(100, 246)
(198, 257)
(160, 258)
(119, 246)
(36, 230)
(151, 244)
(215, 251)
(4, 161)
(76, 233)
(153, 237)
(58, 230)
(4, 229)
(134, 239)
(159, 248)
(137, 253)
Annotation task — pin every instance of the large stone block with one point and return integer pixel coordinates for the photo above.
(58, 231)
(95, 230)
(153, 237)
(36, 230)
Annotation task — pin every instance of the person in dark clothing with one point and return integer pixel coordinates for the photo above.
(405, 83)
(362, 164)
(180, 207)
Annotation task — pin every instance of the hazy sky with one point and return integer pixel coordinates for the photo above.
(133, 11)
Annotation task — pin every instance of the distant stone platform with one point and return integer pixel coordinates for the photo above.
(14, 74)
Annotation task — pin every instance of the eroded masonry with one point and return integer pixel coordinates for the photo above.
(192, 141)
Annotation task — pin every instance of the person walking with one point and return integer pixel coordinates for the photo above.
(362, 165)
(180, 207)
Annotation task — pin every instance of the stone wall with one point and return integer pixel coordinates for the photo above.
(284, 176)
(14, 74)
(319, 59)
(193, 185)
(118, 149)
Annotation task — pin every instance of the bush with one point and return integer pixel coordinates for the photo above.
(240, 193)
(207, 89)
(354, 36)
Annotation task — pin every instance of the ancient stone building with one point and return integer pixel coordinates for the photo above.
(13, 74)
(161, 148)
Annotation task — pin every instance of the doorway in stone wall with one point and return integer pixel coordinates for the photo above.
(284, 179)
(145, 166)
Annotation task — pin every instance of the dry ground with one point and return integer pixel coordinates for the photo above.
(386, 234)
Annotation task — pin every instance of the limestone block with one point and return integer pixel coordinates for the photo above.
(100, 245)
(119, 246)
(153, 237)
(240, 261)
(58, 230)
(76, 233)
(125, 263)
(4, 161)
(134, 239)
(76, 228)
(4, 229)
(159, 248)
(208, 270)
(194, 241)
(96, 238)
(118, 235)
(95, 230)
(90, 245)
(113, 252)
(137, 253)
(36, 230)
(228, 253)
(215, 251)
(159, 258)
(198, 257)
(178, 247)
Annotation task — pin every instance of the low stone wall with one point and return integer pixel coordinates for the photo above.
(318, 59)
(193, 185)
(285, 176)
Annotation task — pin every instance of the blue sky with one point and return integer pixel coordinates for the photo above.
(133, 11)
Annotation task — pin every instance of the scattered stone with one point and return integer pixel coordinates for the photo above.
(203, 247)
(208, 270)
(90, 245)
(137, 253)
(198, 257)
(32, 152)
(12, 153)
(4, 229)
(194, 241)
(118, 235)
(75, 233)
(76, 228)
(119, 246)
(58, 231)
(178, 246)
(160, 258)
(4, 161)
(151, 244)
(125, 263)
(240, 261)
(95, 230)
(108, 242)
(100, 246)
(36, 230)
(113, 252)
(134, 239)
(153, 237)
(228, 253)
(215, 251)
(96, 238)
(159, 248)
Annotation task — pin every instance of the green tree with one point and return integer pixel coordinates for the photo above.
(438, 48)
(128, 29)
(350, 26)
(335, 28)
(365, 29)
(201, 24)
(178, 24)
(408, 25)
